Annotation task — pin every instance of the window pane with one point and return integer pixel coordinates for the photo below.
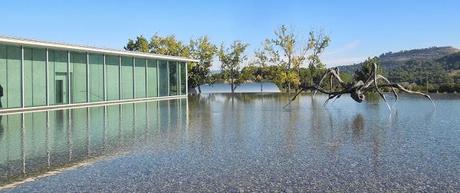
(58, 77)
(10, 72)
(113, 82)
(173, 78)
(140, 78)
(78, 77)
(183, 79)
(96, 77)
(34, 77)
(163, 78)
(126, 78)
(152, 78)
(28, 73)
(3, 76)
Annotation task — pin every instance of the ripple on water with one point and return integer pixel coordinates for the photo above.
(250, 143)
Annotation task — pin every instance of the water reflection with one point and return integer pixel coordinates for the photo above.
(250, 142)
(1, 127)
(358, 127)
(33, 143)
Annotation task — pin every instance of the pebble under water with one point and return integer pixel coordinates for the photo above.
(240, 143)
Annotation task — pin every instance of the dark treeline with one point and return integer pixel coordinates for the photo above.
(435, 69)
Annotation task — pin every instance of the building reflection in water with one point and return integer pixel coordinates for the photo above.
(32, 143)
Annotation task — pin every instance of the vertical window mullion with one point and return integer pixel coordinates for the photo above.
(22, 77)
(179, 78)
(68, 79)
(158, 77)
(119, 78)
(134, 77)
(168, 78)
(146, 85)
(87, 77)
(47, 87)
(186, 78)
(104, 76)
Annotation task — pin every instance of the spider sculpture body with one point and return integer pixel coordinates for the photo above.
(358, 89)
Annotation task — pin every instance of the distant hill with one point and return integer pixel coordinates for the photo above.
(451, 61)
(439, 66)
(391, 60)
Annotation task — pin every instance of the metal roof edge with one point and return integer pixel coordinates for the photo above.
(80, 48)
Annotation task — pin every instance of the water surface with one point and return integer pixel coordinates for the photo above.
(246, 142)
(252, 87)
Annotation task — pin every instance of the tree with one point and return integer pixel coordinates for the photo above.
(284, 42)
(295, 54)
(261, 60)
(231, 59)
(203, 50)
(365, 71)
(317, 44)
(249, 73)
(168, 45)
(141, 44)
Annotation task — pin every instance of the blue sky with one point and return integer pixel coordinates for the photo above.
(358, 29)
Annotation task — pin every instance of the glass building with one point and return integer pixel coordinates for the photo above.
(41, 75)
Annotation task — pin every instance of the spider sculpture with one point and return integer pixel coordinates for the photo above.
(358, 89)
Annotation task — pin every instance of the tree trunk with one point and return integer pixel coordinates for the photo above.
(232, 86)
(289, 88)
(298, 74)
(288, 82)
(199, 89)
(287, 74)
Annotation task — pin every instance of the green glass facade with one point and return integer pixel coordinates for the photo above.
(40, 76)
(139, 78)
(113, 77)
(152, 76)
(34, 77)
(183, 78)
(164, 77)
(96, 72)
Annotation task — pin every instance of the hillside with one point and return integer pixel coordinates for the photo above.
(451, 61)
(439, 66)
(391, 60)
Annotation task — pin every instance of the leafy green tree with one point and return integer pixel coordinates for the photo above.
(366, 69)
(168, 45)
(288, 53)
(346, 77)
(261, 61)
(249, 72)
(284, 42)
(275, 74)
(141, 44)
(317, 44)
(204, 51)
(231, 59)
